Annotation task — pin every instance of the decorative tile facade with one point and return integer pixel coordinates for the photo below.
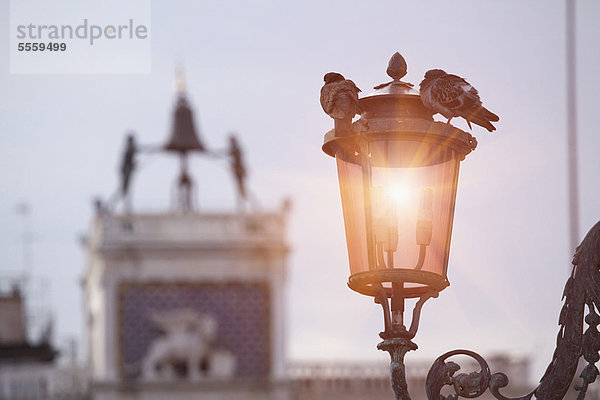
(242, 311)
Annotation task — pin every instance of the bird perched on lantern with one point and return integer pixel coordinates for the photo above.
(452, 96)
(339, 99)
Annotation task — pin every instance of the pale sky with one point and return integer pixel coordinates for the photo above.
(256, 68)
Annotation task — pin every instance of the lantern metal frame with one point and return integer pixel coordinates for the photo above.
(372, 127)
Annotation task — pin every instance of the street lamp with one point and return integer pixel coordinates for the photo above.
(398, 176)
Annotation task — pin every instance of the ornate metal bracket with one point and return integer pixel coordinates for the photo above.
(392, 330)
(582, 288)
(398, 347)
(397, 341)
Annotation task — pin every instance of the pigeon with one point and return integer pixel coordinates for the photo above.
(339, 99)
(452, 96)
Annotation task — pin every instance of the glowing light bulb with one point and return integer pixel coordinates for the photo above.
(400, 193)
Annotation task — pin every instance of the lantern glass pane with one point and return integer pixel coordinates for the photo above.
(409, 188)
(353, 206)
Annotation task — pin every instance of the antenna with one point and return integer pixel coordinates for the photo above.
(23, 209)
(180, 79)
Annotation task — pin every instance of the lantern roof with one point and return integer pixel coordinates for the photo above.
(395, 108)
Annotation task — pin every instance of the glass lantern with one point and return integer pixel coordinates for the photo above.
(398, 179)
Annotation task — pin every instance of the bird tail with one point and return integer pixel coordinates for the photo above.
(483, 117)
(487, 114)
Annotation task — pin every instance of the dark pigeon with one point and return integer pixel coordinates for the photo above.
(339, 99)
(452, 96)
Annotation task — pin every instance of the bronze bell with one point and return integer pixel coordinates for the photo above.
(183, 135)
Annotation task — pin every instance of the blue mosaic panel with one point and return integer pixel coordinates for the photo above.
(242, 311)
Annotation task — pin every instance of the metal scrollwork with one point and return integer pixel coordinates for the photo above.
(582, 289)
(469, 385)
(500, 380)
(465, 385)
(588, 256)
(591, 346)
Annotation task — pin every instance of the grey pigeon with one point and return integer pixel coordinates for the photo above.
(339, 99)
(452, 96)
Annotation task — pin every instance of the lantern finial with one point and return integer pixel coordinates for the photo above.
(397, 67)
(396, 70)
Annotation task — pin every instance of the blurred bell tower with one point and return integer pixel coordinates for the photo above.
(186, 304)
